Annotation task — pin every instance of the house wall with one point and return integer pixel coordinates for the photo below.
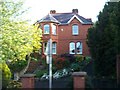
(64, 36)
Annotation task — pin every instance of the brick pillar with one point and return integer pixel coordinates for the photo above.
(27, 81)
(118, 70)
(79, 80)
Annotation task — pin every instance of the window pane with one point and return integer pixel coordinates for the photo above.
(44, 46)
(46, 29)
(79, 48)
(54, 48)
(72, 48)
(53, 29)
(75, 29)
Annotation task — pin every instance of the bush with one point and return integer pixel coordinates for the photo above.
(79, 58)
(75, 67)
(69, 57)
(61, 63)
(6, 74)
(39, 73)
(14, 84)
(17, 66)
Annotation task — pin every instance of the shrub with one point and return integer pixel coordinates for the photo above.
(17, 66)
(69, 57)
(79, 58)
(6, 74)
(61, 63)
(75, 67)
(39, 73)
(14, 84)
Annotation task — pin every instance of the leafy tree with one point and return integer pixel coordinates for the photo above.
(103, 40)
(19, 39)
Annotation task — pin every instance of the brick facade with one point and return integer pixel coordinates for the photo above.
(64, 34)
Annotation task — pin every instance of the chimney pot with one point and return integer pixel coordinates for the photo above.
(75, 11)
(52, 11)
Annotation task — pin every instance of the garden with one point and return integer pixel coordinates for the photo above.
(63, 67)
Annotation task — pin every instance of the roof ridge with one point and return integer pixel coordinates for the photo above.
(64, 13)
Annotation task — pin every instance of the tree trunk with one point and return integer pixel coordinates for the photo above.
(17, 75)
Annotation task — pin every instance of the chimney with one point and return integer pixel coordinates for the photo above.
(75, 11)
(52, 11)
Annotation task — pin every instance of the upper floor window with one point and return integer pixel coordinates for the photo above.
(46, 29)
(54, 29)
(75, 30)
(75, 48)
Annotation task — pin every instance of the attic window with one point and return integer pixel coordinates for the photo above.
(46, 29)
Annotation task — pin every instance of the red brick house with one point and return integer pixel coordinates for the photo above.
(68, 32)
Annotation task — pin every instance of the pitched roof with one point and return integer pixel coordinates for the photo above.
(64, 18)
(48, 18)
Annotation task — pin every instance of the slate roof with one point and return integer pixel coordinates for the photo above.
(64, 18)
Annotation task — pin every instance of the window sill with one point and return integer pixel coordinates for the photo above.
(75, 35)
(45, 33)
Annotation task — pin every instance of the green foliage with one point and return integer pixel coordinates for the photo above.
(40, 73)
(17, 66)
(103, 40)
(14, 84)
(18, 37)
(6, 74)
(79, 58)
(75, 66)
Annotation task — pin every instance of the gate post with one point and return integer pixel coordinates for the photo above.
(27, 81)
(79, 80)
(118, 70)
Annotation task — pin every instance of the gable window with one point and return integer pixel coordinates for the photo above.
(72, 48)
(75, 48)
(54, 48)
(75, 30)
(46, 29)
(54, 29)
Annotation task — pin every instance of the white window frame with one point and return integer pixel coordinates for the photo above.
(78, 48)
(54, 29)
(72, 48)
(75, 29)
(75, 48)
(54, 45)
(46, 29)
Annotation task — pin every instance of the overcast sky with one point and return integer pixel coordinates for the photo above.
(86, 8)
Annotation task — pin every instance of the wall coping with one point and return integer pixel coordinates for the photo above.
(79, 74)
(27, 75)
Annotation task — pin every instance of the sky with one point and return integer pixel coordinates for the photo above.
(40, 8)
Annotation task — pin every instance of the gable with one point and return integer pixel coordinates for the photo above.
(76, 18)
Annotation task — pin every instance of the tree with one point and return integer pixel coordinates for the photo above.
(19, 39)
(103, 40)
